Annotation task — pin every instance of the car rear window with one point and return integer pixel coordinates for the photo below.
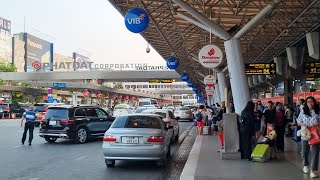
(184, 108)
(40, 108)
(57, 113)
(3, 105)
(163, 114)
(136, 122)
(139, 110)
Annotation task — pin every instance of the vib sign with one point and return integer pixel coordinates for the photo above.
(136, 20)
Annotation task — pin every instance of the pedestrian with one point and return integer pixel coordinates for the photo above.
(260, 106)
(280, 126)
(201, 118)
(257, 122)
(30, 117)
(309, 117)
(268, 117)
(247, 131)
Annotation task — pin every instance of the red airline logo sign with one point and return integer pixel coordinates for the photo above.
(210, 56)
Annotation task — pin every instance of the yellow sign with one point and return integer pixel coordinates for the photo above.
(261, 69)
(161, 81)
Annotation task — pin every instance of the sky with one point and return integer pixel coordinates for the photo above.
(91, 25)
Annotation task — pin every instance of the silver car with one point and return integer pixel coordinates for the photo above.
(168, 119)
(183, 113)
(137, 137)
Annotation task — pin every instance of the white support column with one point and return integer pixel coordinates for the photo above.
(222, 85)
(217, 91)
(313, 44)
(238, 79)
(292, 56)
(74, 98)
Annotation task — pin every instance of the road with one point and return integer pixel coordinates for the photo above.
(66, 160)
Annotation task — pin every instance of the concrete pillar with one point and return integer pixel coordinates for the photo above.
(217, 92)
(238, 80)
(292, 57)
(250, 81)
(74, 98)
(255, 80)
(288, 91)
(313, 44)
(222, 85)
(279, 65)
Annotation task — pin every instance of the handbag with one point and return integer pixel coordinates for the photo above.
(315, 137)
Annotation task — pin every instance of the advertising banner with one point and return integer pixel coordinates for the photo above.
(210, 56)
(18, 54)
(38, 51)
(5, 26)
(209, 80)
(5, 47)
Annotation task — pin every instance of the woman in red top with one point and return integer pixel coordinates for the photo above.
(280, 123)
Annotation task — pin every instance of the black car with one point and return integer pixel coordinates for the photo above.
(14, 110)
(74, 122)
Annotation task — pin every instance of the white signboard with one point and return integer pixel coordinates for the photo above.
(305, 88)
(209, 89)
(210, 93)
(210, 56)
(210, 80)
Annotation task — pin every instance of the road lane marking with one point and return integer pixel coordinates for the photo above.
(18, 146)
(80, 158)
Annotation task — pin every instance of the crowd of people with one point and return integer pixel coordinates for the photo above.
(256, 120)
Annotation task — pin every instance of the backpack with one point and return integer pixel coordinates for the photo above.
(199, 116)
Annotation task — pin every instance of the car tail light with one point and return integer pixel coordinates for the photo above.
(7, 109)
(43, 121)
(155, 139)
(168, 123)
(109, 139)
(67, 122)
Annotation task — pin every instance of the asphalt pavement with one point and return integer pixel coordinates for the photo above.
(65, 160)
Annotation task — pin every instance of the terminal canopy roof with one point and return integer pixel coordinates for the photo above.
(170, 34)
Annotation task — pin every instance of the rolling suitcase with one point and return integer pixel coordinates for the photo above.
(206, 129)
(261, 153)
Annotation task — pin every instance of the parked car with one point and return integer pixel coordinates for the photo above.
(74, 122)
(137, 137)
(140, 109)
(171, 108)
(183, 113)
(41, 110)
(168, 119)
(121, 109)
(14, 110)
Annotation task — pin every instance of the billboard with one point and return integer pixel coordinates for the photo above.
(5, 47)
(18, 54)
(5, 26)
(38, 51)
(80, 59)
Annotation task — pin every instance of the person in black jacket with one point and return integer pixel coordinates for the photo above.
(247, 130)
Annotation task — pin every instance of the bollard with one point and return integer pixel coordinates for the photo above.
(9, 115)
(2, 115)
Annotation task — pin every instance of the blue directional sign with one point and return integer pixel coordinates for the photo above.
(136, 20)
(59, 85)
(190, 84)
(173, 63)
(185, 76)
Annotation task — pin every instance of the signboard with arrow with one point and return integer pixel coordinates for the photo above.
(261, 69)
(311, 68)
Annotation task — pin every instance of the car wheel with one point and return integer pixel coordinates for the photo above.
(81, 135)
(110, 163)
(50, 139)
(163, 162)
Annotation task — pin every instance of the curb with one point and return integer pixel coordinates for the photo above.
(190, 167)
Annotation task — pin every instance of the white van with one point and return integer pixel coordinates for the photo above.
(147, 101)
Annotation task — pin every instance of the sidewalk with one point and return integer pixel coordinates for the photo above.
(204, 163)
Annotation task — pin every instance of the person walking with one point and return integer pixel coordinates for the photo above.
(257, 122)
(309, 117)
(201, 118)
(30, 117)
(247, 130)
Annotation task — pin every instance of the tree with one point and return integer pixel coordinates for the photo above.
(5, 66)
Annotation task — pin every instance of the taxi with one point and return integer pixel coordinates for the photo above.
(122, 109)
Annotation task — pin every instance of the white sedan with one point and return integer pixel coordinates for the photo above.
(121, 109)
(168, 119)
(183, 113)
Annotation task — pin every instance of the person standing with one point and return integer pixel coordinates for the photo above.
(260, 106)
(30, 117)
(280, 126)
(309, 117)
(268, 117)
(247, 130)
(257, 122)
(201, 117)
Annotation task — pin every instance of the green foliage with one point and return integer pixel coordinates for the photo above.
(7, 67)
